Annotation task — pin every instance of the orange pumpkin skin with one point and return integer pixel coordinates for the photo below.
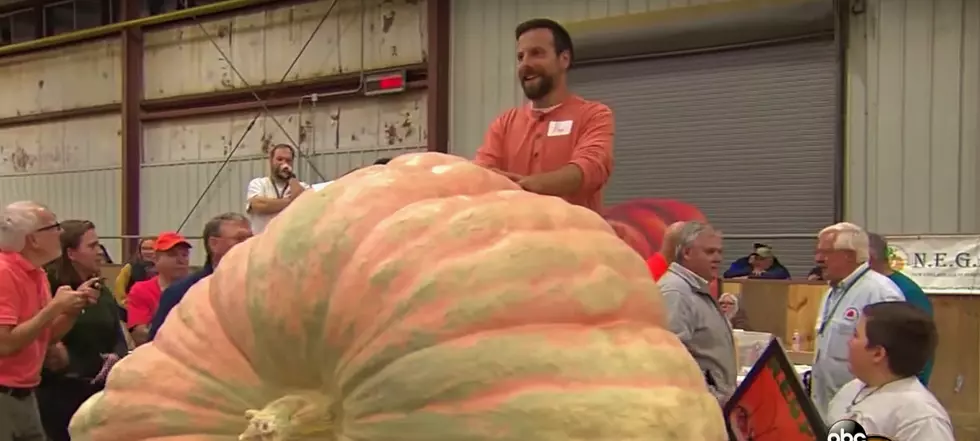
(425, 300)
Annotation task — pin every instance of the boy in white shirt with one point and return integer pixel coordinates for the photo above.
(891, 344)
(269, 195)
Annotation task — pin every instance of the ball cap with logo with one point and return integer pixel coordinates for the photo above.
(169, 239)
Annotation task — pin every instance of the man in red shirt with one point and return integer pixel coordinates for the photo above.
(172, 264)
(30, 237)
(559, 144)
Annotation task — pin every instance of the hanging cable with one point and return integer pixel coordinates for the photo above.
(247, 85)
(265, 109)
(217, 174)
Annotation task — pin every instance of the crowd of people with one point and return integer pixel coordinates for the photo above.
(62, 328)
(875, 340)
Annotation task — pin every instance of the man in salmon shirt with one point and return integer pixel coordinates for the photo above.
(172, 264)
(30, 319)
(559, 144)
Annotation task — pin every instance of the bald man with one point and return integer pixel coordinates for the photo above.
(659, 261)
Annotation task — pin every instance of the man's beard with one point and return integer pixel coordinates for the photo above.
(282, 174)
(538, 88)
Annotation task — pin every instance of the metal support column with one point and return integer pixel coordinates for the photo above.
(132, 137)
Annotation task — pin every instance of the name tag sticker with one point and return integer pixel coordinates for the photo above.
(560, 128)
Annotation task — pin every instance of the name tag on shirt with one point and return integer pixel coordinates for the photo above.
(559, 128)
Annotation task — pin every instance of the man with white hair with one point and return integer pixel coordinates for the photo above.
(842, 253)
(30, 237)
(692, 312)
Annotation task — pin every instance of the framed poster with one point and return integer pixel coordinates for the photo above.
(771, 404)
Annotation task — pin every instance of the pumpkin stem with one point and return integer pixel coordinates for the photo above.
(294, 417)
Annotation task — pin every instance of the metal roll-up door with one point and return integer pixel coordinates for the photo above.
(747, 135)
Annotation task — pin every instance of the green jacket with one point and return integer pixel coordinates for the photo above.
(96, 332)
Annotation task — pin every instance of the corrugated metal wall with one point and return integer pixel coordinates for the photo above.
(761, 121)
(483, 73)
(73, 165)
(913, 113)
(181, 156)
(368, 34)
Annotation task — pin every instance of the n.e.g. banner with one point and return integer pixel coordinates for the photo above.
(939, 264)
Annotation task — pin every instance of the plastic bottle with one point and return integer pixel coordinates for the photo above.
(796, 341)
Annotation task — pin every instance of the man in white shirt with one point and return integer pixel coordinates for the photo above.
(269, 195)
(894, 340)
(842, 253)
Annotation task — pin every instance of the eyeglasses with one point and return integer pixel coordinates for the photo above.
(54, 226)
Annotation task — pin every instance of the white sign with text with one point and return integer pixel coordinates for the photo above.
(939, 264)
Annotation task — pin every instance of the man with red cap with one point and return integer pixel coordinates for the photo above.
(172, 264)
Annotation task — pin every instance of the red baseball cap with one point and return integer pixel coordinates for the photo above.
(169, 239)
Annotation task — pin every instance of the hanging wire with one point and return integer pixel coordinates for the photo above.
(217, 174)
(265, 109)
(247, 85)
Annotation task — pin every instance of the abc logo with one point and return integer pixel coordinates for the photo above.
(847, 430)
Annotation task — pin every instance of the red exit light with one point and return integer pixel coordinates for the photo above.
(384, 83)
(391, 83)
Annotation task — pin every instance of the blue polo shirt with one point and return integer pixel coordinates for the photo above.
(173, 295)
(915, 295)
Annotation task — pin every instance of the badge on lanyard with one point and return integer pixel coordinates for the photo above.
(850, 314)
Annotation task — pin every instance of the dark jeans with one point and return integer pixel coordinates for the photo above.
(58, 398)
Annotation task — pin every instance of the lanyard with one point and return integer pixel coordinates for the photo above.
(827, 316)
(282, 194)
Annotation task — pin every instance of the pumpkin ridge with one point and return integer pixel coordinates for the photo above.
(406, 258)
(597, 414)
(451, 210)
(235, 267)
(560, 302)
(629, 349)
(176, 348)
(393, 266)
(157, 416)
(358, 220)
(509, 390)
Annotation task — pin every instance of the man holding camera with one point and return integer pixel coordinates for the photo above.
(269, 195)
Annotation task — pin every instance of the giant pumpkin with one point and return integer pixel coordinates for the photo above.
(426, 300)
